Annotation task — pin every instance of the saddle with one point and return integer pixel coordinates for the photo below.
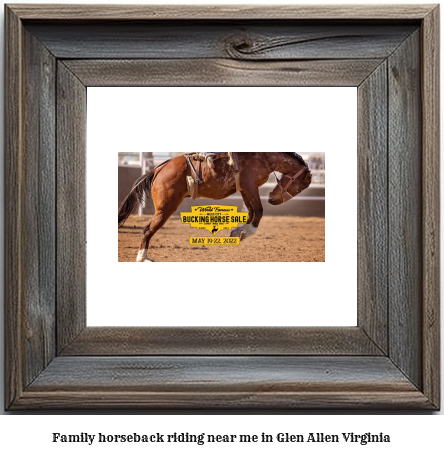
(195, 160)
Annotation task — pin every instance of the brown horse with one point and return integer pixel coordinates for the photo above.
(168, 187)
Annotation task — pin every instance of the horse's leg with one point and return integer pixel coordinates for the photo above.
(159, 219)
(253, 202)
(239, 231)
(164, 210)
(249, 207)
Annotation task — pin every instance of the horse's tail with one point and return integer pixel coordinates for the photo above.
(141, 189)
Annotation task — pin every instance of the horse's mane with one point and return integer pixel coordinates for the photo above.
(299, 158)
(303, 163)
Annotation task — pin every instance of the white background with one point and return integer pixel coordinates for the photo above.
(412, 434)
(243, 119)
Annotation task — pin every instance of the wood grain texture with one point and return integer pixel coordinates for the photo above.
(71, 206)
(209, 373)
(221, 72)
(405, 209)
(13, 222)
(221, 12)
(264, 44)
(38, 221)
(290, 382)
(30, 227)
(221, 341)
(431, 205)
(225, 400)
(373, 207)
(236, 40)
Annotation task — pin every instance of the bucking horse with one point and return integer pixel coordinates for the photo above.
(169, 185)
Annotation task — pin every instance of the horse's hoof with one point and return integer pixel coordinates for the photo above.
(243, 232)
(236, 233)
(239, 233)
(142, 257)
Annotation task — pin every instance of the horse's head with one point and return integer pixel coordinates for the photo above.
(289, 186)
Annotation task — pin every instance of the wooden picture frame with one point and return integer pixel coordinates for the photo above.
(390, 360)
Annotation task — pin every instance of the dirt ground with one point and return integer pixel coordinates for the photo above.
(283, 239)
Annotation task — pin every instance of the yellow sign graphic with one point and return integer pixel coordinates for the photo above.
(214, 218)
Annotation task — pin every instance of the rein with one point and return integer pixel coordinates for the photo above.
(285, 195)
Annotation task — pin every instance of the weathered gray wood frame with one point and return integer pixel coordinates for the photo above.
(391, 360)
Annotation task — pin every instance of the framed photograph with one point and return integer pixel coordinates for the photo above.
(292, 232)
(59, 57)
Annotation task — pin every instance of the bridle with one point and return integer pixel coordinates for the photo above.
(285, 195)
